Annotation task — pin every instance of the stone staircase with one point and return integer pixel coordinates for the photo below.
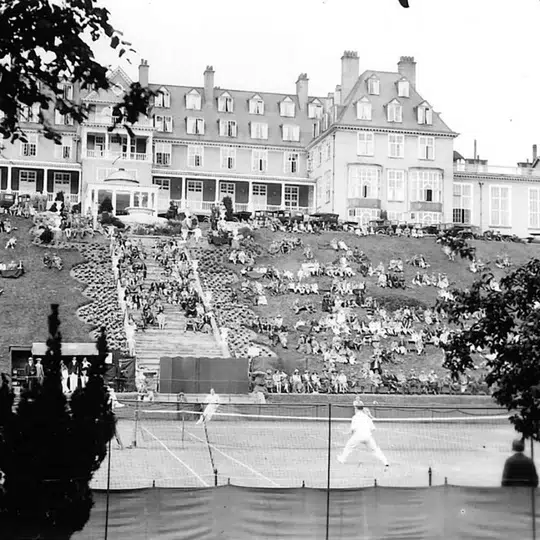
(153, 343)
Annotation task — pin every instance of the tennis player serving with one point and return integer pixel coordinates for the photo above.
(361, 428)
(212, 401)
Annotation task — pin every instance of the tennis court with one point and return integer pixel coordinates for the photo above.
(287, 450)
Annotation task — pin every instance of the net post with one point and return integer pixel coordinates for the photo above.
(303, 483)
(430, 477)
(328, 471)
(374, 482)
(136, 424)
(229, 481)
(446, 480)
(215, 477)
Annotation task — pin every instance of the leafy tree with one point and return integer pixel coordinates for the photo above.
(50, 449)
(229, 210)
(106, 206)
(46, 42)
(404, 3)
(504, 323)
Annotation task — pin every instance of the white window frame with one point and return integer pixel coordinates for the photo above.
(30, 148)
(327, 183)
(459, 202)
(30, 177)
(228, 158)
(62, 119)
(404, 89)
(291, 162)
(426, 148)
(394, 112)
(67, 90)
(365, 143)
(396, 145)
(195, 156)
(363, 215)
(194, 186)
(424, 115)
(195, 125)
(534, 208)
(164, 184)
(500, 222)
(227, 189)
(291, 197)
(315, 110)
(168, 124)
(291, 132)
(162, 98)
(364, 110)
(62, 182)
(374, 86)
(225, 103)
(64, 150)
(395, 185)
(287, 108)
(163, 154)
(364, 182)
(259, 160)
(259, 130)
(424, 180)
(193, 101)
(256, 105)
(228, 128)
(316, 131)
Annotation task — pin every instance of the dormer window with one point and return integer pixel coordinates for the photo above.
(363, 109)
(394, 111)
(162, 98)
(374, 86)
(225, 103)
(117, 89)
(256, 105)
(425, 114)
(193, 100)
(403, 88)
(286, 108)
(315, 109)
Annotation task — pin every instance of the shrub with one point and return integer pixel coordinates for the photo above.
(108, 219)
(106, 206)
(60, 196)
(229, 210)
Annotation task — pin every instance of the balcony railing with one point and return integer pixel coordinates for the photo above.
(73, 198)
(205, 206)
(478, 168)
(126, 156)
(107, 119)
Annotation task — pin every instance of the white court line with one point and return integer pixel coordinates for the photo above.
(245, 465)
(205, 484)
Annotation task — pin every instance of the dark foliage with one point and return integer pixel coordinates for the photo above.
(50, 448)
(229, 209)
(393, 302)
(508, 331)
(46, 43)
(46, 236)
(109, 219)
(457, 245)
(106, 206)
(60, 196)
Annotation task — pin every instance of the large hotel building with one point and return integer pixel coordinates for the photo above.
(373, 144)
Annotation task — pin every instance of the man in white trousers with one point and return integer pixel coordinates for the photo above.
(361, 429)
(212, 406)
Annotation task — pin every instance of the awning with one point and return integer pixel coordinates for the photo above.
(68, 349)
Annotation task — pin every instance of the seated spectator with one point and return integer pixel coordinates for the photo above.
(519, 470)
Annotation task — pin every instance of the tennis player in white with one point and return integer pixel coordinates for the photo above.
(212, 401)
(361, 429)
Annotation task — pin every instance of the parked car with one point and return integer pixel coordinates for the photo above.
(7, 200)
(325, 220)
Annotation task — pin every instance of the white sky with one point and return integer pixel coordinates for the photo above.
(475, 58)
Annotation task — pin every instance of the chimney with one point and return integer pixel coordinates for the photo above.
(329, 102)
(144, 69)
(407, 68)
(338, 95)
(302, 91)
(350, 71)
(209, 86)
(535, 152)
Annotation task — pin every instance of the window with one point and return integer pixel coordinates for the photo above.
(291, 133)
(317, 157)
(310, 161)
(259, 130)
(427, 218)
(27, 181)
(195, 126)
(227, 189)
(534, 208)
(374, 86)
(291, 162)
(315, 110)
(259, 160)
(195, 155)
(396, 185)
(327, 151)
(363, 215)
(316, 131)
(256, 105)
(425, 115)
(64, 150)
(499, 206)
(163, 123)
(225, 103)
(29, 148)
(30, 114)
(426, 186)
(193, 100)
(394, 111)
(62, 119)
(395, 216)
(287, 108)
(364, 182)
(162, 98)
(62, 182)
(164, 184)
(68, 91)
(363, 109)
(366, 143)
(227, 128)
(327, 183)
(228, 158)
(162, 153)
(426, 148)
(462, 209)
(292, 197)
(403, 88)
(396, 145)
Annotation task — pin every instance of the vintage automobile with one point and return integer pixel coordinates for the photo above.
(7, 200)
